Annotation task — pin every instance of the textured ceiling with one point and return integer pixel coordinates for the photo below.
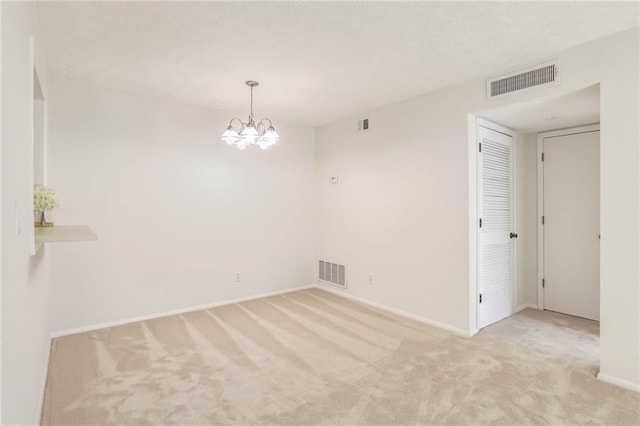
(316, 61)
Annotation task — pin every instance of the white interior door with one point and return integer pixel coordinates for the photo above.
(495, 208)
(571, 227)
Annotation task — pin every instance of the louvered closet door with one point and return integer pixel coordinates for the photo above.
(495, 247)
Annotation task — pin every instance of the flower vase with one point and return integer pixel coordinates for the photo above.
(42, 223)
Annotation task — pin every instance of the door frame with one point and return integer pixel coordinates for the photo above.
(540, 176)
(475, 213)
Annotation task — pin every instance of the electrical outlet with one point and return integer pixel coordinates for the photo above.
(371, 279)
(236, 277)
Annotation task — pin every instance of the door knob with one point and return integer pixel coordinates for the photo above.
(513, 235)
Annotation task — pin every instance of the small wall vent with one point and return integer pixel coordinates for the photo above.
(332, 273)
(363, 124)
(542, 75)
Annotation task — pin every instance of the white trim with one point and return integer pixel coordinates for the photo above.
(540, 177)
(619, 382)
(43, 385)
(515, 137)
(473, 220)
(31, 233)
(525, 306)
(540, 228)
(487, 124)
(424, 320)
(2, 201)
(108, 324)
(571, 131)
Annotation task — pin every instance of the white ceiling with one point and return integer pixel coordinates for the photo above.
(316, 61)
(550, 112)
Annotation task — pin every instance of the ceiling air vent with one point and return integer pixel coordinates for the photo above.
(542, 75)
(332, 273)
(363, 124)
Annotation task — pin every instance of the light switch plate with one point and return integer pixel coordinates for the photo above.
(16, 211)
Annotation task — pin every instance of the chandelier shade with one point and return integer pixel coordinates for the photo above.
(248, 134)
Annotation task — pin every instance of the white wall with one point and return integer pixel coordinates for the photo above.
(399, 211)
(1, 226)
(25, 280)
(617, 62)
(401, 208)
(176, 210)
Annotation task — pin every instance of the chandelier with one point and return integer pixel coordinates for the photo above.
(249, 133)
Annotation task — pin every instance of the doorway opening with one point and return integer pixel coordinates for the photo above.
(551, 267)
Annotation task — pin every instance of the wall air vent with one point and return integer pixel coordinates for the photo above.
(363, 124)
(332, 273)
(542, 75)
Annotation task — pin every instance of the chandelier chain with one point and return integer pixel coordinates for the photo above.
(251, 103)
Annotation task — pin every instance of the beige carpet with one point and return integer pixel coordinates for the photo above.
(310, 357)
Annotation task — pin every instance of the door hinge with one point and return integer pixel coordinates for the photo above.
(542, 157)
(480, 222)
(480, 297)
(543, 220)
(480, 147)
(543, 283)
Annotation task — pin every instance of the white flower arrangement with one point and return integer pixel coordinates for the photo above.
(45, 198)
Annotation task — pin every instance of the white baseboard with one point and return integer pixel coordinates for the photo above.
(619, 382)
(424, 320)
(525, 306)
(108, 324)
(43, 385)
